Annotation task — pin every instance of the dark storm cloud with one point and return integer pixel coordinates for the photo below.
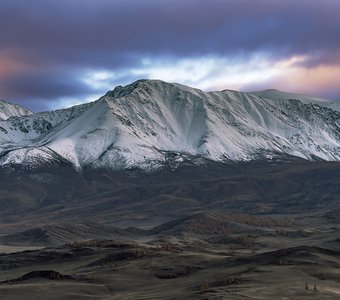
(78, 35)
(33, 88)
(44, 85)
(99, 32)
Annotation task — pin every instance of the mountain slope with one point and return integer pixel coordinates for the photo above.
(8, 110)
(150, 122)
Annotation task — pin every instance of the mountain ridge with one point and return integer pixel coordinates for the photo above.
(141, 124)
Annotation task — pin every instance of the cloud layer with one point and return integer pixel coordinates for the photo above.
(59, 52)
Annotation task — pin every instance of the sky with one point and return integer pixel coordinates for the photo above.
(57, 53)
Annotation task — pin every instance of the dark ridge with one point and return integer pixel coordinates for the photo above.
(44, 274)
(111, 259)
(294, 255)
(60, 234)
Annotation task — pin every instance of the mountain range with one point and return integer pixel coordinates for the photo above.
(151, 123)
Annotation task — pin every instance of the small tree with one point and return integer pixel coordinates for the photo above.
(204, 288)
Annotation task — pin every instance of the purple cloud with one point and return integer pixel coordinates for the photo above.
(68, 37)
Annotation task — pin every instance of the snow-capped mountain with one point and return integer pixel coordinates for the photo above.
(146, 123)
(8, 110)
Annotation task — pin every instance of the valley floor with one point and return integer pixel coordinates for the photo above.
(258, 230)
(206, 256)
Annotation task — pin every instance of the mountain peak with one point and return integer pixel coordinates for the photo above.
(8, 110)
